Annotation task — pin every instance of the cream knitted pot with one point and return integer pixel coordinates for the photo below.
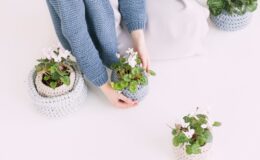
(47, 91)
(180, 153)
(62, 105)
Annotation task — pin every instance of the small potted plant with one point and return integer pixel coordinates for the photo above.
(129, 77)
(56, 85)
(231, 15)
(192, 138)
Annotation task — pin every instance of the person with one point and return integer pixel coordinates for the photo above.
(87, 29)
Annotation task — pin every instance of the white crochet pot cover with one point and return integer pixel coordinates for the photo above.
(59, 106)
(47, 91)
(180, 153)
(138, 96)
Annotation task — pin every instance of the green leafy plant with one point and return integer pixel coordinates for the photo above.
(55, 67)
(193, 133)
(129, 72)
(239, 7)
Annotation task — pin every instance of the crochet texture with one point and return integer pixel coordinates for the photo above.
(87, 28)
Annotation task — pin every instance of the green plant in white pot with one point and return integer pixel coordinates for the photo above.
(129, 77)
(55, 84)
(55, 74)
(192, 138)
(231, 15)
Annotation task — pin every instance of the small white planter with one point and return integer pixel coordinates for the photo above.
(180, 153)
(47, 91)
(62, 105)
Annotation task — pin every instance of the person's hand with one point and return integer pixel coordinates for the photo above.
(117, 98)
(140, 46)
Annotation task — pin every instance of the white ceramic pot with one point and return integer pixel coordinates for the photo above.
(180, 153)
(47, 91)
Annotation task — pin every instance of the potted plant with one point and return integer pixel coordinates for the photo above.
(129, 77)
(56, 86)
(192, 138)
(231, 15)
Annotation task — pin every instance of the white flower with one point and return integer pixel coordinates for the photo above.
(190, 133)
(132, 58)
(47, 53)
(51, 53)
(204, 126)
(63, 54)
(132, 63)
(130, 51)
(182, 123)
(118, 55)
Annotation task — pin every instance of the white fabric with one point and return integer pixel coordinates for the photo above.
(175, 28)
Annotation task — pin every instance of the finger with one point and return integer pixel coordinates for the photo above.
(144, 63)
(148, 65)
(122, 104)
(126, 100)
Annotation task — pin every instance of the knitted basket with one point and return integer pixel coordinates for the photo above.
(138, 96)
(47, 91)
(58, 106)
(180, 153)
(231, 22)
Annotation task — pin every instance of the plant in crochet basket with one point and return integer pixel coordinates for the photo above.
(55, 72)
(55, 85)
(129, 77)
(193, 135)
(231, 15)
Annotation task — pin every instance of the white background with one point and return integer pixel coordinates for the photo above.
(225, 80)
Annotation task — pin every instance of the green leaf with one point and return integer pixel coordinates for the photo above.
(186, 119)
(152, 73)
(46, 77)
(122, 60)
(193, 149)
(65, 80)
(135, 70)
(127, 77)
(118, 86)
(143, 80)
(55, 76)
(124, 84)
(252, 7)
(208, 136)
(53, 84)
(174, 131)
(216, 124)
(180, 138)
(133, 87)
(216, 6)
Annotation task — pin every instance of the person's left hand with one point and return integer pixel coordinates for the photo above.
(140, 46)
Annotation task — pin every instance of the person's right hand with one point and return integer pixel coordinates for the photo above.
(116, 98)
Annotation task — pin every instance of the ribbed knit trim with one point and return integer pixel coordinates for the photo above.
(101, 79)
(135, 25)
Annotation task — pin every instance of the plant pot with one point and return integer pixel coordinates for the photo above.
(47, 91)
(138, 96)
(231, 22)
(62, 105)
(180, 153)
